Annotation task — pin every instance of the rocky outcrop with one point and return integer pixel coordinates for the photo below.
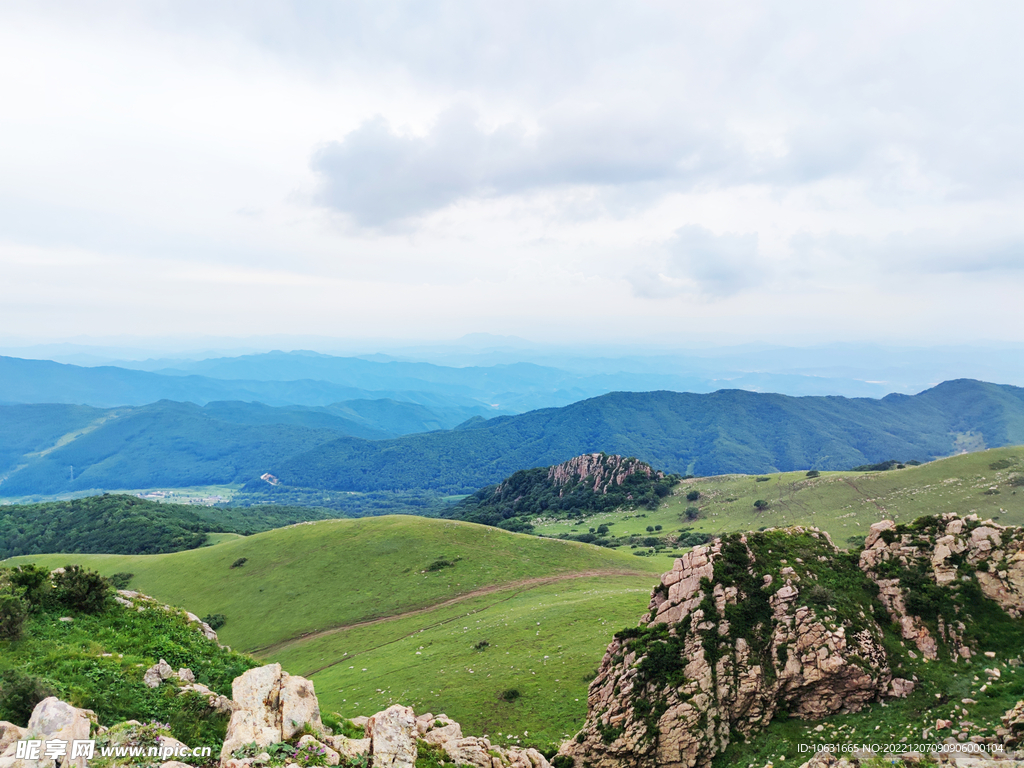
(157, 674)
(270, 706)
(950, 552)
(51, 719)
(392, 735)
(604, 471)
(735, 633)
(1013, 722)
(266, 697)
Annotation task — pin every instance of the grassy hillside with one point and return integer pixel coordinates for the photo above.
(367, 586)
(843, 503)
(723, 432)
(94, 657)
(341, 572)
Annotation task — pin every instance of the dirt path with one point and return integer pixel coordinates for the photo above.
(512, 586)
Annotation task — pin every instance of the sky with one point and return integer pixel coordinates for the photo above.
(796, 172)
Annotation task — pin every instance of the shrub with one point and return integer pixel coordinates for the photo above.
(80, 589)
(762, 479)
(510, 694)
(761, 504)
(121, 580)
(813, 473)
(692, 513)
(13, 612)
(215, 620)
(33, 583)
(650, 529)
(693, 495)
(562, 761)
(602, 530)
(430, 755)
(240, 562)
(481, 645)
(657, 527)
(19, 694)
(820, 595)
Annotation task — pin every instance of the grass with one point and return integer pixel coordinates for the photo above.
(310, 577)
(314, 576)
(545, 642)
(843, 503)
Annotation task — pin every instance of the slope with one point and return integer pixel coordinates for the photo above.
(720, 433)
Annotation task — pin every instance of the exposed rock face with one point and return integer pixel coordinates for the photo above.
(734, 634)
(52, 719)
(392, 735)
(1013, 721)
(944, 550)
(270, 706)
(605, 470)
(745, 627)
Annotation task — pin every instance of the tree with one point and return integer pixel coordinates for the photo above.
(693, 495)
(761, 504)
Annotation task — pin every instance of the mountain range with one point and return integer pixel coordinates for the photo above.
(48, 449)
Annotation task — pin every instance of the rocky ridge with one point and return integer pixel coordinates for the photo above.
(783, 622)
(605, 471)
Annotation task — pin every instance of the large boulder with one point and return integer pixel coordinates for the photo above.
(52, 719)
(269, 706)
(392, 736)
(157, 674)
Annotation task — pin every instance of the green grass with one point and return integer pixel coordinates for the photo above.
(545, 642)
(97, 661)
(314, 576)
(317, 576)
(843, 503)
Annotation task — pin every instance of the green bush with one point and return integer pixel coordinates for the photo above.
(692, 513)
(693, 495)
(121, 580)
(13, 612)
(19, 694)
(761, 504)
(80, 589)
(240, 562)
(510, 694)
(813, 473)
(562, 761)
(215, 620)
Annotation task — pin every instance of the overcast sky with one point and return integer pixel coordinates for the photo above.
(791, 172)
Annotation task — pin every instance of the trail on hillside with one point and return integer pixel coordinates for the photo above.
(516, 587)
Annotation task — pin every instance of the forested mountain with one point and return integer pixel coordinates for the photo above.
(719, 433)
(180, 444)
(126, 525)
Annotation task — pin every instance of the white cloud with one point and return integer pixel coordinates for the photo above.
(568, 164)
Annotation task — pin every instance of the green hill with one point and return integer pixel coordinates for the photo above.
(590, 483)
(988, 483)
(318, 596)
(724, 432)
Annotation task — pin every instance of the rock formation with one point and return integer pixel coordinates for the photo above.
(735, 634)
(51, 719)
(782, 621)
(604, 470)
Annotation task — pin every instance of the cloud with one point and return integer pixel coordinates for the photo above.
(378, 176)
(700, 262)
